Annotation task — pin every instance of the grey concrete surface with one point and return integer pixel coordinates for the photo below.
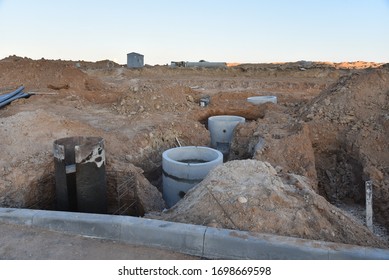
(195, 240)
(21, 242)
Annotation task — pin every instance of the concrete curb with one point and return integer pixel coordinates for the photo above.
(195, 240)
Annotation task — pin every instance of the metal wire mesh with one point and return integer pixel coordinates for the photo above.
(123, 194)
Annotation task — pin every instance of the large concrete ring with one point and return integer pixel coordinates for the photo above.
(185, 167)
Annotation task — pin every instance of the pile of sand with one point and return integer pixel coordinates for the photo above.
(250, 195)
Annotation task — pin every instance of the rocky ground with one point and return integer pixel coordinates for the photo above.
(293, 165)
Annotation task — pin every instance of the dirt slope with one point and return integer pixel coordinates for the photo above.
(250, 195)
(349, 125)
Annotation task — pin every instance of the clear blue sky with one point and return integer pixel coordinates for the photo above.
(190, 30)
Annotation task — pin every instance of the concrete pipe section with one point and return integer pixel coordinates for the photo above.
(257, 100)
(80, 177)
(222, 129)
(185, 167)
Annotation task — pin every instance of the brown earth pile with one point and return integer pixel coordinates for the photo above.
(251, 195)
(279, 139)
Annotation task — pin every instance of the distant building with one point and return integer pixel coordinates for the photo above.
(135, 60)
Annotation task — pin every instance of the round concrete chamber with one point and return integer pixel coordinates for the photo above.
(185, 167)
(80, 176)
(222, 129)
(257, 100)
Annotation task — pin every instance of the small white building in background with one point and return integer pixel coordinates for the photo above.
(135, 60)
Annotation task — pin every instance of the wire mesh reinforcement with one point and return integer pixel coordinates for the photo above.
(123, 184)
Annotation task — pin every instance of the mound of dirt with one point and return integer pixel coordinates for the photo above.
(338, 140)
(43, 75)
(144, 98)
(278, 139)
(250, 195)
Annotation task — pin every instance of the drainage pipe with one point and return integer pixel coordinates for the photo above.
(221, 129)
(17, 96)
(185, 167)
(5, 96)
(257, 100)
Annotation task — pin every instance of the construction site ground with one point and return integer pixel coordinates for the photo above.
(296, 168)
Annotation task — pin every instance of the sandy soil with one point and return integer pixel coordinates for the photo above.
(330, 128)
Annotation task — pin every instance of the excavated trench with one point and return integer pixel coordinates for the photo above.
(121, 194)
(340, 175)
(340, 180)
(344, 181)
(122, 197)
(81, 182)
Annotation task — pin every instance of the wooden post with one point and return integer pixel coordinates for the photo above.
(369, 204)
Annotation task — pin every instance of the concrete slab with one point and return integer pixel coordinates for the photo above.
(349, 252)
(220, 243)
(183, 238)
(96, 225)
(16, 216)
